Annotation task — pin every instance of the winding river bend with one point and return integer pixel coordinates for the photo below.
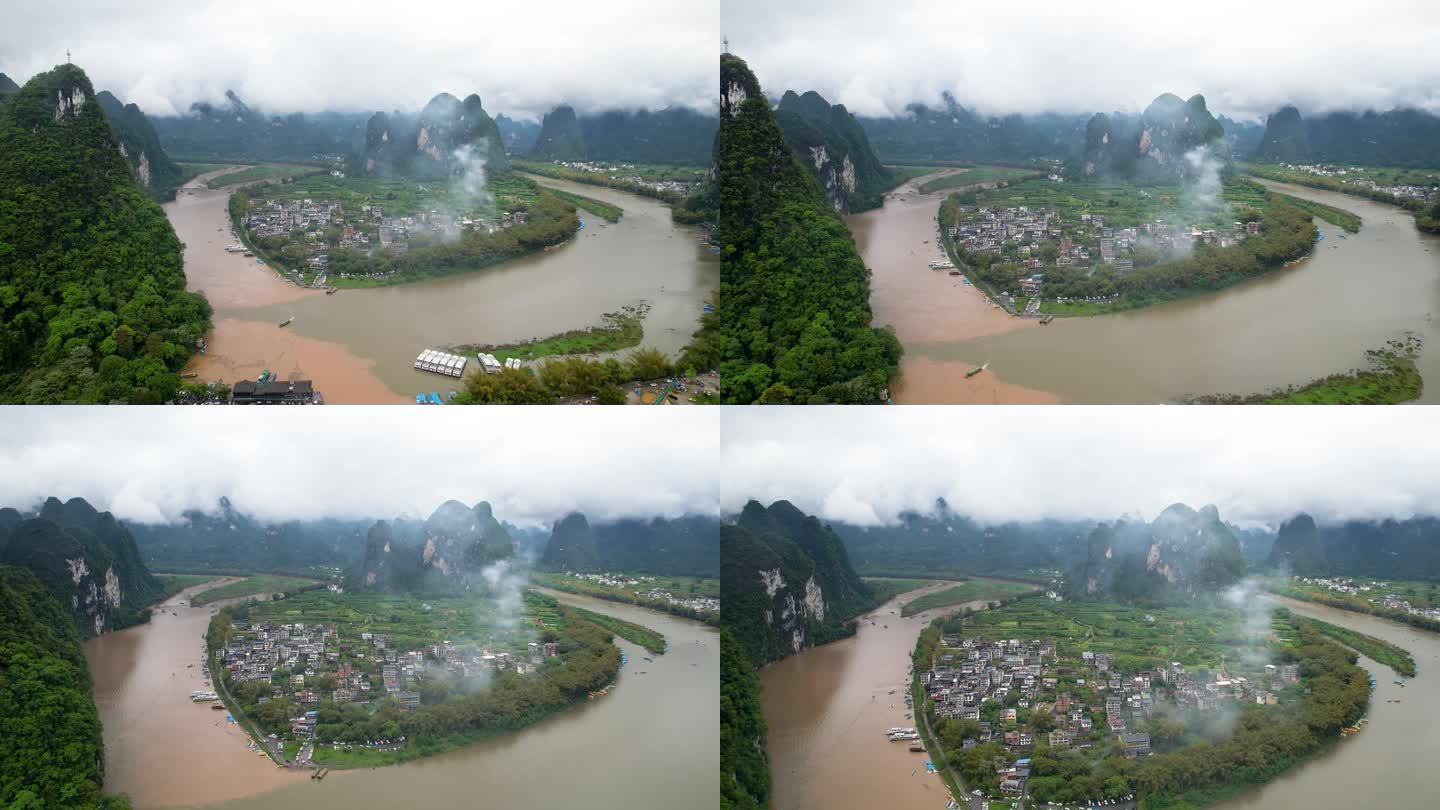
(651, 744)
(827, 709)
(1315, 318)
(359, 345)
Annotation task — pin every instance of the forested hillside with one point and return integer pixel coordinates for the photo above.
(744, 767)
(49, 728)
(93, 306)
(794, 294)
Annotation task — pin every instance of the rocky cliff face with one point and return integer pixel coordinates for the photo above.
(1285, 140)
(1182, 552)
(139, 142)
(786, 583)
(447, 139)
(1153, 146)
(448, 552)
(831, 144)
(85, 558)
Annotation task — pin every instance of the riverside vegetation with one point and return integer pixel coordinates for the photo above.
(1391, 378)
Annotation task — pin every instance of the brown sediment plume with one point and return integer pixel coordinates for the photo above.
(160, 748)
(924, 381)
(241, 350)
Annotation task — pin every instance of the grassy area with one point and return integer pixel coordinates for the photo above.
(258, 584)
(1392, 378)
(1329, 213)
(1421, 595)
(269, 171)
(887, 588)
(652, 641)
(654, 172)
(617, 331)
(1391, 655)
(193, 169)
(969, 591)
(175, 583)
(979, 174)
(604, 210)
(1122, 204)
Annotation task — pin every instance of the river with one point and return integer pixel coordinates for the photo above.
(1383, 766)
(651, 744)
(359, 345)
(827, 709)
(1290, 326)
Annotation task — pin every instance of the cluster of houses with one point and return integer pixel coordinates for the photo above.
(1390, 601)
(1024, 677)
(644, 586)
(1423, 193)
(1021, 235)
(369, 229)
(359, 669)
(625, 173)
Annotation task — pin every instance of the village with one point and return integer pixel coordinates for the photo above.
(1022, 695)
(626, 173)
(1037, 238)
(1364, 590)
(1353, 176)
(302, 232)
(308, 664)
(645, 587)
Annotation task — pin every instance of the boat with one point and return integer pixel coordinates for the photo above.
(235, 249)
(972, 372)
(954, 272)
(917, 749)
(332, 290)
(286, 322)
(265, 376)
(1047, 319)
(249, 253)
(420, 399)
(435, 398)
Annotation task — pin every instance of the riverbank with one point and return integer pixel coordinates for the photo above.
(1427, 219)
(1392, 379)
(617, 331)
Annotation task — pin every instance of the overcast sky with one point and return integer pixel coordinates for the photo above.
(533, 464)
(284, 56)
(1247, 58)
(1258, 465)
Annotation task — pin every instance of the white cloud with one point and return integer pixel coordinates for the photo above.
(520, 57)
(1258, 465)
(1247, 58)
(532, 464)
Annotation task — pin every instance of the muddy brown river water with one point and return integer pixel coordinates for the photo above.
(651, 744)
(1315, 318)
(827, 709)
(359, 346)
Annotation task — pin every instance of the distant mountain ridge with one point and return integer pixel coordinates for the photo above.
(1399, 137)
(685, 546)
(833, 147)
(674, 135)
(1389, 548)
(86, 559)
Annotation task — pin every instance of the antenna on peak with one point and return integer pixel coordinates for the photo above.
(725, 43)
(67, 56)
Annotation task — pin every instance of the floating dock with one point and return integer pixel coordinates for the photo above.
(438, 362)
